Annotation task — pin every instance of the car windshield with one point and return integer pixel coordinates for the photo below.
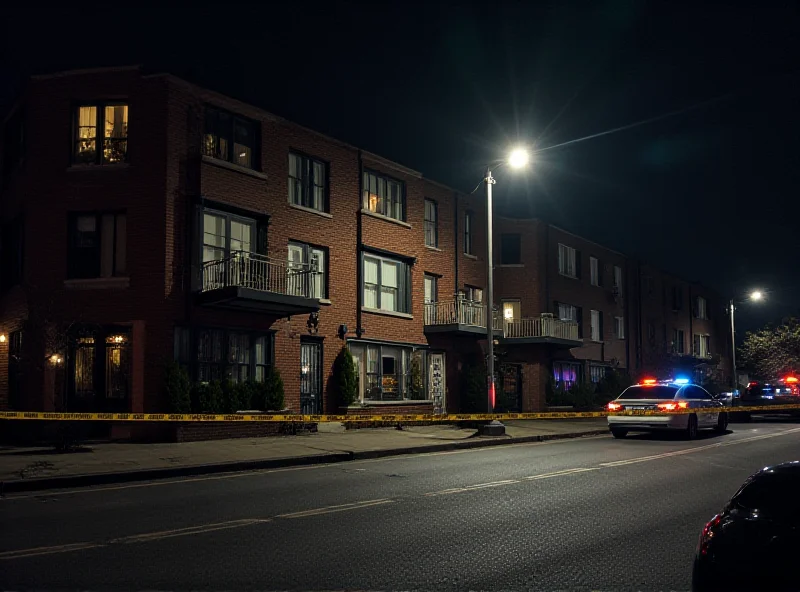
(649, 392)
(775, 492)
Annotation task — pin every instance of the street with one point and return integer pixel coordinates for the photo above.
(587, 514)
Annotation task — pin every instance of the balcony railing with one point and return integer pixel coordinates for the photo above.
(459, 312)
(259, 272)
(543, 326)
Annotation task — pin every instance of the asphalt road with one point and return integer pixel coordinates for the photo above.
(588, 514)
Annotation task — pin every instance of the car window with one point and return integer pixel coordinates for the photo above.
(649, 392)
(775, 492)
(702, 393)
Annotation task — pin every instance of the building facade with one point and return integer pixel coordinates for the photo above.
(145, 219)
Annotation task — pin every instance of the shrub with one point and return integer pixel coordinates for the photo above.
(177, 387)
(345, 378)
(555, 395)
(229, 401)
(273, 388)
(582, 395)
(611, 385)
(416, 389)
(206, 397)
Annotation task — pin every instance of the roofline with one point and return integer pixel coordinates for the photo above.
(79, 72)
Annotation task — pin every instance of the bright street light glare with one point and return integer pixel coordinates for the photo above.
(756, 295)
(518, 158)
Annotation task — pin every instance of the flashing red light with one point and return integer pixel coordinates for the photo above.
(492, 394)
(649, 381)
(673, 406)
(790, 379)
(612, 406)
(751, 384)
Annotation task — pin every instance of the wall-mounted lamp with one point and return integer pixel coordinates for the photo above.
(2, 337)
(56, 359)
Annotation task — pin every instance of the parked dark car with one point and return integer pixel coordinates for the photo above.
(779, 391)
(754, 542)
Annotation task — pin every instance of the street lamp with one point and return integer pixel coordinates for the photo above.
(754, 296)
(517, 159)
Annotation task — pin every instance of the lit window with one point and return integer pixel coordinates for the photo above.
(511, 310)
(384, 195)
(109, 122)
(230, 138)
(386, 284)
(390, 373)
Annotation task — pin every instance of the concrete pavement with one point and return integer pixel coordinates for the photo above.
(582, 514)
(28, 469)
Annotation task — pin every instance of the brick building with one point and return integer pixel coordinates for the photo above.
(146, 219)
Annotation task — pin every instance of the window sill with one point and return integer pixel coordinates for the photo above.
(385, 218)
(310, 210)
(430, 248)
(471, 256)
(224, 164)
(97, 283)
(566, 275)
(98, 167)
(325, 302)
(511, 265)
(398, 403)
(388, 313)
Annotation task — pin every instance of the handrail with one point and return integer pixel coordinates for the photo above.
(260, 272)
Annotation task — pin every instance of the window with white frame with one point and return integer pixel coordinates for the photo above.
(512, 310)
(597, 372)
(701, 308)
(701, 345)
(618, 277)
(567, 312)
(594, 271)
(431, 224)
(388, 372)
(302, 256)
(566, 261)
(619, 327)
(224, 234)
(386, 284)
(307, 182)
(473, 294)
(430, 288)
(596, 321)
(384, 195)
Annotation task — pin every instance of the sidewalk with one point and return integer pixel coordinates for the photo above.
(29, 469)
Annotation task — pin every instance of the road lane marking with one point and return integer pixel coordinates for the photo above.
(338, 508)
(560, 473)
(472, 487)
(21, 553)
(630, 461)
(190, 530)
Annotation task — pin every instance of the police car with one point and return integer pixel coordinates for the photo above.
(663, 397)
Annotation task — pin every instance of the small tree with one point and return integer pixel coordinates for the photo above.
(274, 399)
(611, 385)
(345, 378)
(229, 402)
(177, 388)
(416, 390)
(206, 397)
(773, 351)
(473, 388)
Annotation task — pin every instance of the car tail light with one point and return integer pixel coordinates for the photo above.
(708, 534)
(612, 406)
(673, 406)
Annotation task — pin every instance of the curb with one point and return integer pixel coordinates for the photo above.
(71, 481)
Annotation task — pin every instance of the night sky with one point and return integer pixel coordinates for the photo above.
(707, 188)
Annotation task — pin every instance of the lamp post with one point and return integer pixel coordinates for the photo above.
(754, 296)
(517, 159)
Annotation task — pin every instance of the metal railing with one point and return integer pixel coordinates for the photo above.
(459, 311)
(543, 326)
(259, 272)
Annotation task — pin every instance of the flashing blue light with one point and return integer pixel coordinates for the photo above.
(681, 381)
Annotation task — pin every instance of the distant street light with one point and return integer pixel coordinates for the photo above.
(754, 296)
(517, 159)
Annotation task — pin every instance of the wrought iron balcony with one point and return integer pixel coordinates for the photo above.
(460, 316)
(251, 281)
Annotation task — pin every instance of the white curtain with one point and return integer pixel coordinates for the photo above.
(389, 286)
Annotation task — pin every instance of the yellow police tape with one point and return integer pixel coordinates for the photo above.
(351, 418)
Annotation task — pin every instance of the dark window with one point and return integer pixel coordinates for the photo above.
(510, 249)
(468, 221)
(218, 354)
(308, 182)
(678, 346)
(11, 253)
(105, 124)
(677, 298)
(14, 369)
(649, 392)
(386, 284)
(384, 195)
(97, 245)
(231, 138)
(694, 393)
(771, 492)
(431, 224)
(13, 146)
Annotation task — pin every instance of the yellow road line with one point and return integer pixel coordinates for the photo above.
(338, 508)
